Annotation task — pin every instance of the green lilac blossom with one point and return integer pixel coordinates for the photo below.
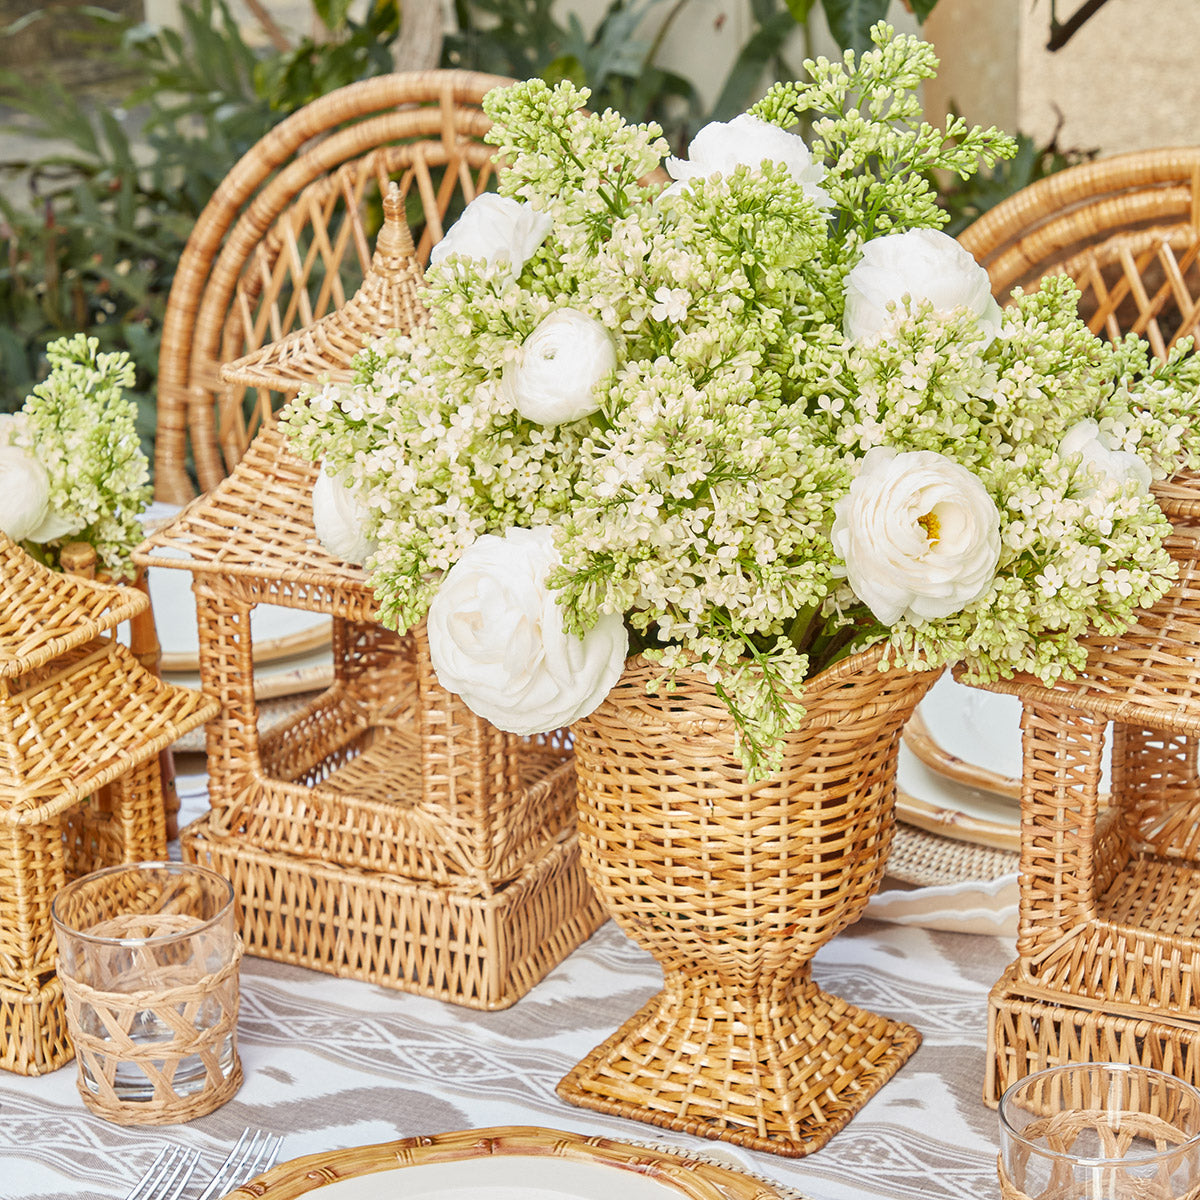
(698, 499)
(83, 432)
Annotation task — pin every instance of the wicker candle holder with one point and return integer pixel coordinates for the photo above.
(734, 887)
(148, 958)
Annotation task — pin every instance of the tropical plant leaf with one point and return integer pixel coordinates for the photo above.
(850, 21)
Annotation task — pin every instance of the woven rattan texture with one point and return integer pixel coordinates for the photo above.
(1125, 228)
(733, 888)
(1028, 1034)
(679, 1171)
(386, 300)
(929, 860)
(481, 952)
(82, 724)
(202, 1018)
(285, 240)
(1108, 909)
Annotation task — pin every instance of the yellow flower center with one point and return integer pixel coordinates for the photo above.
(932, 526)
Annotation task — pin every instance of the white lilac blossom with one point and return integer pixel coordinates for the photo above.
(921, 265)
(495, 229)
(722, 146)
(553, 378)
(496, 638)
(919, 535)
(340, 520)
(693, 502)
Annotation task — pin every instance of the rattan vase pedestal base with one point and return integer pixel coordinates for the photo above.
(802, 1064)
(734, 886)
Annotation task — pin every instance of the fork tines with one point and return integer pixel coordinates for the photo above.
(254, 1152)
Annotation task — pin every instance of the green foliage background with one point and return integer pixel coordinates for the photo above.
(90, 239)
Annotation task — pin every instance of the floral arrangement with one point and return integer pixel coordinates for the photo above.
(71, 465)
(743, 421)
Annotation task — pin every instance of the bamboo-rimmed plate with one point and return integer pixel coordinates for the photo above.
(510, 1163)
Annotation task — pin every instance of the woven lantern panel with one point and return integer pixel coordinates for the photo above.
(82, 725)
(1108, 942)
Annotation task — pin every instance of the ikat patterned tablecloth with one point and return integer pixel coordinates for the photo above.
(332, 1063)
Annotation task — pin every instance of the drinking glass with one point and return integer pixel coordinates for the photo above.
(148, 957)
(1100, 1131)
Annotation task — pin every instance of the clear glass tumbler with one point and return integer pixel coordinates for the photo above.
(1100, 1131)
(148, 957)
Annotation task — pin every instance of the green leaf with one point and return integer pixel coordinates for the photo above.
(850, 21)
(747, 70)
(800, 9)
(332, 13)
(922, 8)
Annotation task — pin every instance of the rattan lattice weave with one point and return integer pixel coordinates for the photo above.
(82, 723)
(385, 770)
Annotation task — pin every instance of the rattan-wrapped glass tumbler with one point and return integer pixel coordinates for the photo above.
(148, 956)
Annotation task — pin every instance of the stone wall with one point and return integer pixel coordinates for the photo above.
(1128, 80)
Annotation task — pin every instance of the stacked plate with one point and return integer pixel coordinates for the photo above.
(960, 766)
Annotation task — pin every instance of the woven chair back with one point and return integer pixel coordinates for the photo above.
(1125, 228)
(288, 236)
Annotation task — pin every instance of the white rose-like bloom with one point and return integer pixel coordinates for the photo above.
(24, 493)
(1099, 458)
(919, 534)
(340, 519)
(495, 228)
(720, 146)
(553, 378)
(496, 638)
(923, 264)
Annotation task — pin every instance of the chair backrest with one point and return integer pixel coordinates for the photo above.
(1125, 228)
(287, 237)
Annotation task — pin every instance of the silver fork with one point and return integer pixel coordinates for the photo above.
(168, 1175)
(254, 1153)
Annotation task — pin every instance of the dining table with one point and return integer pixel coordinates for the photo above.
(332, 1063)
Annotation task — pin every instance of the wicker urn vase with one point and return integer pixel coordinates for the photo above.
(734, 887)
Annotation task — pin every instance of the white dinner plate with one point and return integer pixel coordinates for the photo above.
(512, 1163)
(959, 771)
(278, 632)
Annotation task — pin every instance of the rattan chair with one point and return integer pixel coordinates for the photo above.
(1125, 228)
(288, 236)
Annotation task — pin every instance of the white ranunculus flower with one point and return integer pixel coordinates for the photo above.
(496, 638)
(553, 378)
(720, 146)
(919, 535)
(340, 519)
(922, 264)
(24, 493)
(1086, 438)
(495, 228)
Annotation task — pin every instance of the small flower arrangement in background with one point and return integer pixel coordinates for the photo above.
(71, 465)
(747, 422)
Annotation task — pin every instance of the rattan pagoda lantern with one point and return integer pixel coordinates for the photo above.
(82, 724)
(383, 832)
(1108, 940)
